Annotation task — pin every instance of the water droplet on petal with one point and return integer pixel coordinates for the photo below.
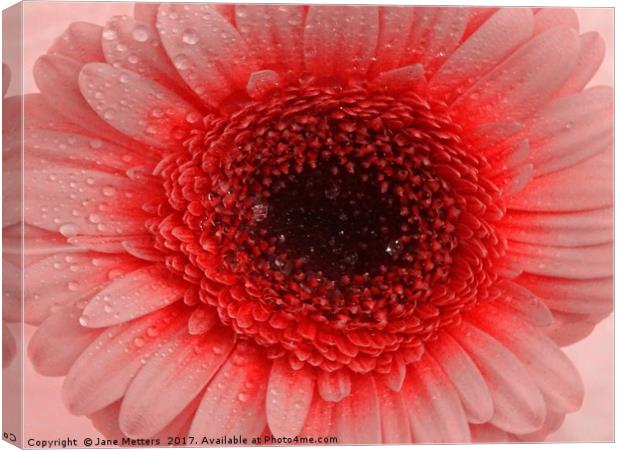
(181, 62)
(108, 34)
(192, 117)
(190, 37)
(108, 191)
(140, 33)
(68, 229)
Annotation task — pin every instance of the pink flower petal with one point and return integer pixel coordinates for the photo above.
(6, 79)
(59, 341)
(57, 79)
(525, 304)
(136, 46)
(135, 294)
(334, 386)
(104, 244)
(408, 78)
(81, 42)
(146, 12)
(486, 433)
(46, 147)
(38, 243)
(106, 421)
(9, 346)
(555, 375)
(237, 393)
(143, 248)
(591, 55)
(84, 202)
(66, 277)
(483, 50)
(136, 106)
(340, 41)
(11, 291)
(395, 427)
(38, 114)
(103, 372)
(394, 29)
(569, 229)
(519, 405)
(179, 426)
(356, 417)
(584, 186)
(207, 51)
(289, 396)
(564, 262)
(435, 411)
(513, 89)
(570, 328)
(274, 34)
(466, 378)
(396, 377)
(572, 296)
(547, 18)
(553, 421)
(320, 419)
(477, 17)
(435, 33)
(571, 129)
(171, 379)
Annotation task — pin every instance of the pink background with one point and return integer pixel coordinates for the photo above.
(46, 415)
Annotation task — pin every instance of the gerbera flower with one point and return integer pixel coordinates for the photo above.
(374, 223)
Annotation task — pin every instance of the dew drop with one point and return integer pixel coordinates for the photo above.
(394, 248)
(108, 191)
(96, 144)
(192, 117)
(109, 35)
(140, 33)
(181, 62)
(190, 37)
(69, 230)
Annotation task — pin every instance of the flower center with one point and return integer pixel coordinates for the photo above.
(336, 223)
(323, 222)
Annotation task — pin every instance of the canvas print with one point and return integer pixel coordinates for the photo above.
(297, 224)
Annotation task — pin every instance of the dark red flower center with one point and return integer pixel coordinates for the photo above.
(323, 221)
